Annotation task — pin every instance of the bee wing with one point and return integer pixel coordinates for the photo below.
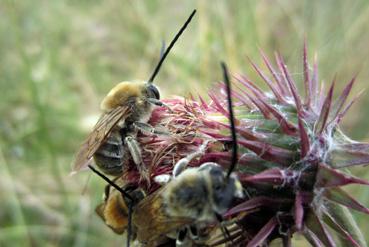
(98, 135)
(151, 220)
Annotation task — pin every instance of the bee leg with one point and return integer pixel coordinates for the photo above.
(182, 239)
(193, 232)
(148, 129)
(162, 179)
(135, 151)
(159, 103)
(223, 228)
(208, 166)
(181, 165)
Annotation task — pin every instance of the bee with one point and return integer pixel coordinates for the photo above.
(198, 196)
(115, 208)
(126, 109)
(139, 98)
(192, 199)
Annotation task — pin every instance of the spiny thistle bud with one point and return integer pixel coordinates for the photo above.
(292, 156)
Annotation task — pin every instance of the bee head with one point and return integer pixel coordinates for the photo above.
(153, 91)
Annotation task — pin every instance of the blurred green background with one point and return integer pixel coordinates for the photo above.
(59, 58)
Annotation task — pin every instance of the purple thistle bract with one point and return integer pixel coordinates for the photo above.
(292, 155)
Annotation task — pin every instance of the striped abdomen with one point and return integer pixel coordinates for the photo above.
(112, 155)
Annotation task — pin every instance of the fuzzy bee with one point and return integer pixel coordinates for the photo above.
(189, 200)
(114, 210)
(137, 98)
(126, 110)
(196, 197)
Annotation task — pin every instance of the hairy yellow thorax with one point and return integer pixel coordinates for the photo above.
(119, 94)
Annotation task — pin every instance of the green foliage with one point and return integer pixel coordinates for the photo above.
(58, 59)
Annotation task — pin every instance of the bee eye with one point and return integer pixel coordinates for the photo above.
(153, 91)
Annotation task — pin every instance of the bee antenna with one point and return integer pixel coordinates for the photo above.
(124, 193)
(223, 228)
(162, 49)
(231, 119)
(162, 58)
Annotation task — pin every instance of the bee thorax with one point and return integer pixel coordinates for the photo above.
(187, 196)
(121, 94)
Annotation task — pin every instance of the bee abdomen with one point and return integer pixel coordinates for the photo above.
(111, 156)
(114, 140)
(111, 150)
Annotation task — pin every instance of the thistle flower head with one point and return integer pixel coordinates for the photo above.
(292, 154)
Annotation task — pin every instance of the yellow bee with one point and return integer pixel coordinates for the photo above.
(138, 98)
(114, 210)
(126, 109)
